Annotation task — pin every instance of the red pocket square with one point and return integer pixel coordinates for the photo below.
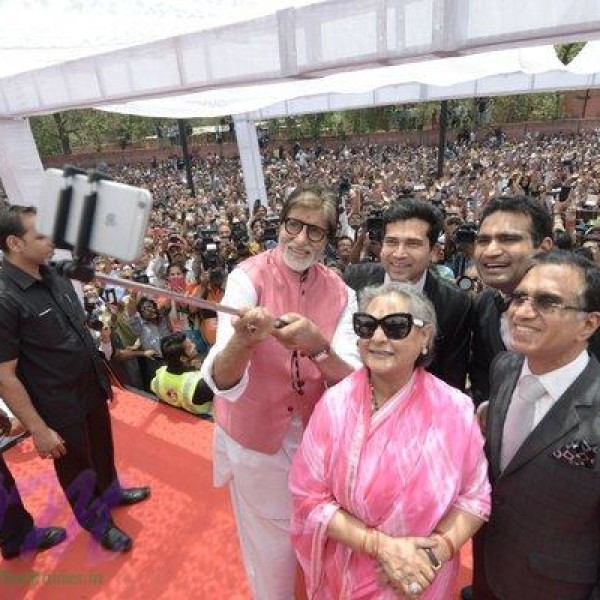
(578, 453)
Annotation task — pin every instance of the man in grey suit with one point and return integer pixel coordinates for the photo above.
(542, 541)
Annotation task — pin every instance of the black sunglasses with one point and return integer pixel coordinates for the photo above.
(396, 326)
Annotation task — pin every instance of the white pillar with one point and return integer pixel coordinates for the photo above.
(247, 141)
(21, 169)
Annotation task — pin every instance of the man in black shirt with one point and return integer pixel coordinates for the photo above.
(53, 378)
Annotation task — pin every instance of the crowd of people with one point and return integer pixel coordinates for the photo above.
(414, 363)
(194, 242)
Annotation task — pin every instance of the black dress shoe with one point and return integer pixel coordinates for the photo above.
(133, 495)
(39, 538)
(467, 593)
(115, 539)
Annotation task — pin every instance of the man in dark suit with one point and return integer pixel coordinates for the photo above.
(411, 231)
(542, 541)
(511, 231)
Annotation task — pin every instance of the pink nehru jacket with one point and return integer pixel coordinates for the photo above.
(260, 418)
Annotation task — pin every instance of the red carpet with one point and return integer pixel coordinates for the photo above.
(185, 540)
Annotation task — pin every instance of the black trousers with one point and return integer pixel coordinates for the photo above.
(87, 472)
(15, 521)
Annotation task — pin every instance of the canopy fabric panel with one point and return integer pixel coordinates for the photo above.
(283, 40)
(492, 73)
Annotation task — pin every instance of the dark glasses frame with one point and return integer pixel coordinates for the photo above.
(313, 232)
(392, 331)
(542, 302)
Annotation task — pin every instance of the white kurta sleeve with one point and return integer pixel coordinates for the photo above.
(344, 339)
(239, 293)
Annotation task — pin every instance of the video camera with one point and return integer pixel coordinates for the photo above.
(466, 233)
(271, 234)
(207, 245)
(374, 225)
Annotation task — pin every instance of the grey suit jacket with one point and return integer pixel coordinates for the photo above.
(542, 541)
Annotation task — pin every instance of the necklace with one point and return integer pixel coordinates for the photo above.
(375, 403)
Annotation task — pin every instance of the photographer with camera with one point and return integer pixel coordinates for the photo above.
(464, 248)
(367, 245)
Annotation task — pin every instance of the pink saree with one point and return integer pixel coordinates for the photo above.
(399, 470)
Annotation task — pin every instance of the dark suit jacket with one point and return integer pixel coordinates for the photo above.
(486, 344)
(453, 309)
(542, 541)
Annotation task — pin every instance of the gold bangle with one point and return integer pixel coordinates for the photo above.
(363, 547)
(447, 541)
(371, 550)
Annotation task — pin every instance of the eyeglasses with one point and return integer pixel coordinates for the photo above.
(396, 326)
(541, 303)
(295, 226)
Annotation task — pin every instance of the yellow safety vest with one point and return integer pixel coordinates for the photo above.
(178, 390)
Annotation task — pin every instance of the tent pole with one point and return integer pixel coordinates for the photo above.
(186, 155)
(442, 137)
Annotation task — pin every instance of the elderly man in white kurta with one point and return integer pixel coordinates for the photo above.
(268, 369)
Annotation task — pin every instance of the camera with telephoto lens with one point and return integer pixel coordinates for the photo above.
(374, 225)
(207, 245)
(140, 276)
(466, 234)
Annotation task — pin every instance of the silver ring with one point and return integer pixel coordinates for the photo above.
(415, 588)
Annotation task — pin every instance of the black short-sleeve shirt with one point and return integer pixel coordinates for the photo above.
(42, 327)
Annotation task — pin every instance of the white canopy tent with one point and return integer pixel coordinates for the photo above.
(290, 56)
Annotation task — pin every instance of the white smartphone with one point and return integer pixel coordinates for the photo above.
(121, 217)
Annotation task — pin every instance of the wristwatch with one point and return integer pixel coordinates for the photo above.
(436, 565)
(321, 355)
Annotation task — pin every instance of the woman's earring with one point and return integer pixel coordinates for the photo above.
(424, 351)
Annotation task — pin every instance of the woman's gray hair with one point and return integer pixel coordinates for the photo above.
(420, 308)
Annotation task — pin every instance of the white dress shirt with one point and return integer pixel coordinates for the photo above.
(419, 285)
(556, 383)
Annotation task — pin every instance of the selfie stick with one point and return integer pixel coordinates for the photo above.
(80, 267)
(154, 291)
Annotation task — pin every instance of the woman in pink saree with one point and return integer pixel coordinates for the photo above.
(390, 479)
